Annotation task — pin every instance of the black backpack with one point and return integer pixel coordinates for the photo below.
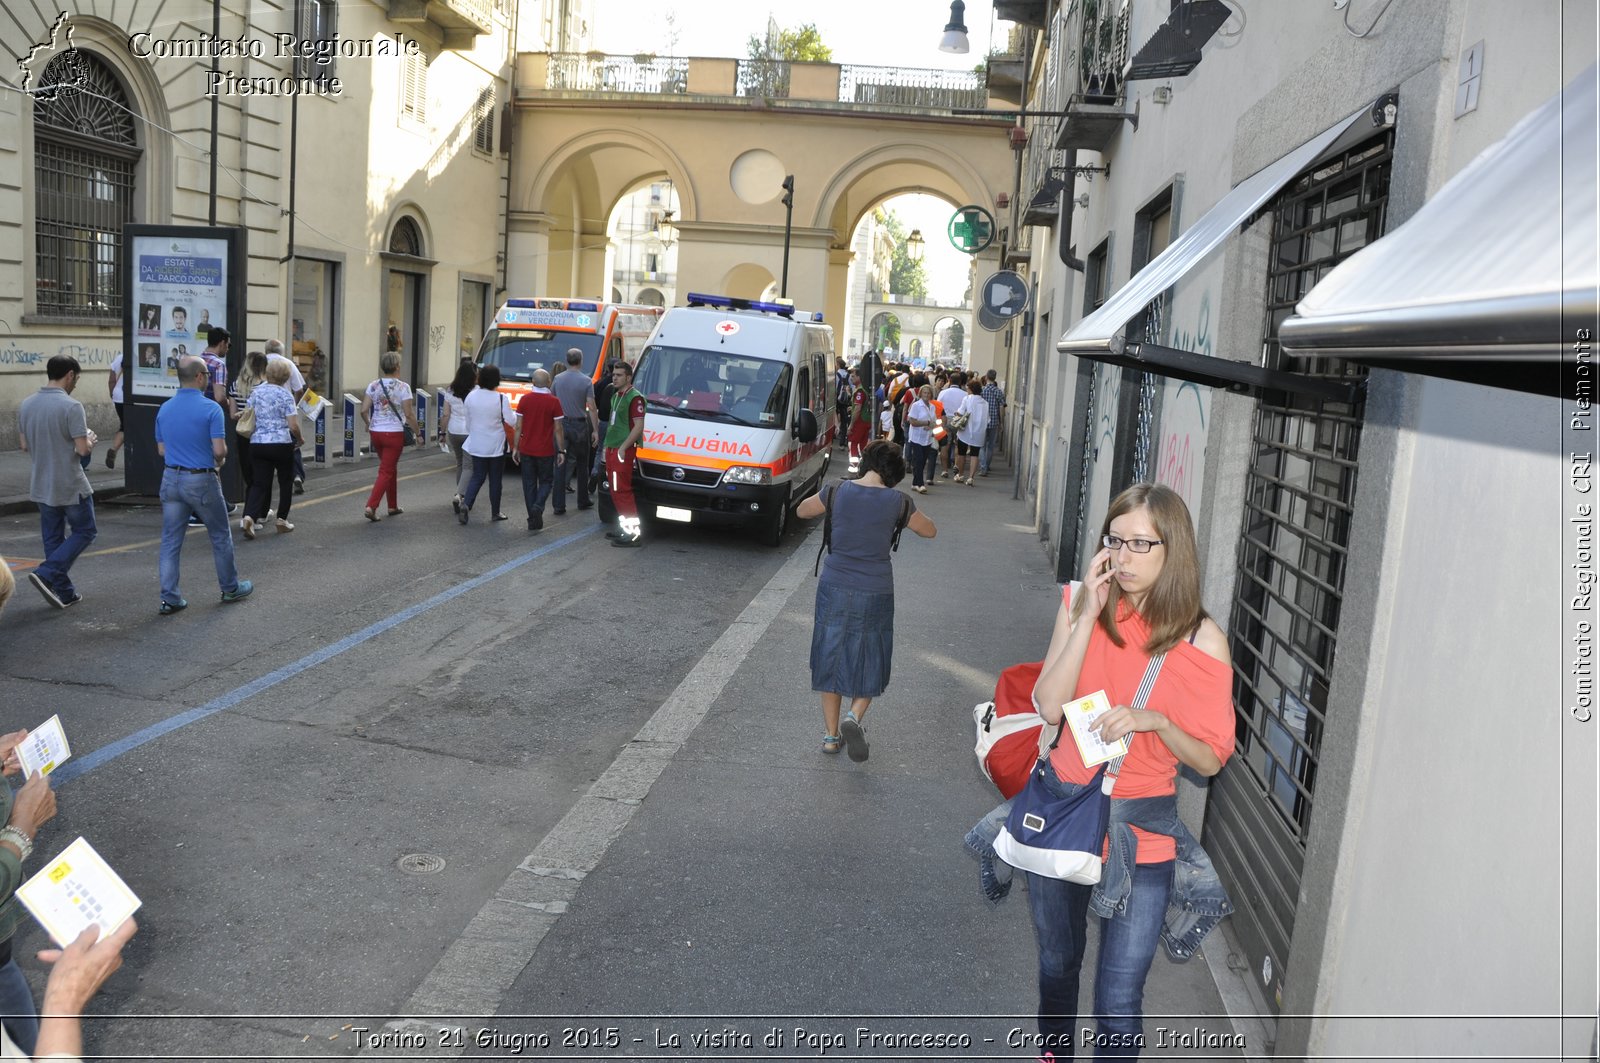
(828, 491)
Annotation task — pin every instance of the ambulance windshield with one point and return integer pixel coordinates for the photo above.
(518, 352)
(715, 387)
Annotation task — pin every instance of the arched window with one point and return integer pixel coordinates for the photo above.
(85, 151)
(406, 239)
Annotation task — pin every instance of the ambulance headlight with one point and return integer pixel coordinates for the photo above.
(747, 474)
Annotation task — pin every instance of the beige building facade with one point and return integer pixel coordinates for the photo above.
(1382, 544)
(371, 186)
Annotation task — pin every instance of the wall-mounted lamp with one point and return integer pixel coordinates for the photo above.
(916, 246)
(955, 31)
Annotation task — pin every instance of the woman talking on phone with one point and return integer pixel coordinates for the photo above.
(1139, 599)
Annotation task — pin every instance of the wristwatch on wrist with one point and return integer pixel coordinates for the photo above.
(19, 838)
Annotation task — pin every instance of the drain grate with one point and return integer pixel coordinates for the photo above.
(420, 864)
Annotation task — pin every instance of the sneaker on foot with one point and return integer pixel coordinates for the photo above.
(855, 737)
(239, 593)
(111, 458)
(196, 522)
(46, 590)
(168, 608)
(248, 524)
(299, 487)
(627, 540)
(72, 599)
(461, 515)
(284, 526)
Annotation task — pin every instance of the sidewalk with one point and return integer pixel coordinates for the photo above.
(761, 877)
(16, 469)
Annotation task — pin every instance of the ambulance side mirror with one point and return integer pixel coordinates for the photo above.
(805, 428)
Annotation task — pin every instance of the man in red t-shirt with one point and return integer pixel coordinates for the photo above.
(542, 446)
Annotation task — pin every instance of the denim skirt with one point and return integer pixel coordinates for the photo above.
(852, 641)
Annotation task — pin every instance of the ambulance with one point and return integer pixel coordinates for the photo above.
(534, 333)
(739, 415)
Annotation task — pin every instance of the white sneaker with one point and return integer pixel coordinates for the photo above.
(249, 526)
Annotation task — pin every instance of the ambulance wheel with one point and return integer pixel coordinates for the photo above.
(776, 524)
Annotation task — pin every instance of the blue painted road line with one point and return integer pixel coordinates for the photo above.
(105, 754)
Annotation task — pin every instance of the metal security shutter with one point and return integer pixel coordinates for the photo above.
(1284, 619)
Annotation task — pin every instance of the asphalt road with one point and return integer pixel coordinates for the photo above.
(264, 839)
(612, 754)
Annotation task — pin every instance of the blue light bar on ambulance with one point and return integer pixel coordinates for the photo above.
(593, 308)
(731, 302)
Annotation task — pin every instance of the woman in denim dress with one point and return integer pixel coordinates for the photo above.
(852, 639)
(1140, 597)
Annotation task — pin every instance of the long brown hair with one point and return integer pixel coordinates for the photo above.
(1172, 605)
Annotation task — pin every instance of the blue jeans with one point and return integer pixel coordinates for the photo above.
(61, 549)
(485, 469)
(538, 478)
(991, 435)
(16, 1004)
(1127, 948)
(200, 493)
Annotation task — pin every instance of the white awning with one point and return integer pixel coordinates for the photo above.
(1104, 329)
(1486, 270)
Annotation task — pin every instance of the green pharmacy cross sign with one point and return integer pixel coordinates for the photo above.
(971, 229)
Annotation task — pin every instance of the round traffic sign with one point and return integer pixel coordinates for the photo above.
(1002, 297)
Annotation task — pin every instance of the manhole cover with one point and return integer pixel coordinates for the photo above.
(421, 864)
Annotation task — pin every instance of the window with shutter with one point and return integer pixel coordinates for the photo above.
(414, 89)
(483, 123)
(316, 30)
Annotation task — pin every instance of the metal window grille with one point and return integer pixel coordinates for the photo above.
(1284, 621)
(1299, 493)
(406, 239)
(85, 151)
(414, 89)
(483, 124)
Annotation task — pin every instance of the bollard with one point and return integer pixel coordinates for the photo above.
(422, 416)
(438, 421)
(319, 450)
(351, 405)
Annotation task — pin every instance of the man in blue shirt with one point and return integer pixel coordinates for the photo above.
(191, 440)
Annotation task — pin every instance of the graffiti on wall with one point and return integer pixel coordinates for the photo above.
(15, 358)
(1185, 407)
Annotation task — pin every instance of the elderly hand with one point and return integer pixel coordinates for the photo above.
(80, 969)
(35, 805)
(8, 750)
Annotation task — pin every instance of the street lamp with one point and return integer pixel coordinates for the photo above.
(955, 31)
(788, 222)
(916, 246)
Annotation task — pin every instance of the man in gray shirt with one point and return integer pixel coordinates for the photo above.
(52, 428)
(581, 425)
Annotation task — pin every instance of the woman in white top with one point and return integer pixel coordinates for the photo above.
(454, 424)
(114, 387)
(969, 441)
(388, 410)
(920, 420)
(487, 416)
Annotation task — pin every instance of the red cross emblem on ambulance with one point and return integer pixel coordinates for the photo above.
(727, 328)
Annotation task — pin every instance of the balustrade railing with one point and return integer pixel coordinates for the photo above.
(933, 89)
(593, 72)
(769, 78)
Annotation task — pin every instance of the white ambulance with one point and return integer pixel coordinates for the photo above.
(739, 415)
(536, 333)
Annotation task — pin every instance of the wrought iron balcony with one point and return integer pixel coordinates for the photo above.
(1095, 43)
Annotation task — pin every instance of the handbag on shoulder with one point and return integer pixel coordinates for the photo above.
(1062, 836)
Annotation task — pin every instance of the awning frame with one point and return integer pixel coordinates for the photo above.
(1102, 335)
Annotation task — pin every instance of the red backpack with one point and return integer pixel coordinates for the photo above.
(1009, 729)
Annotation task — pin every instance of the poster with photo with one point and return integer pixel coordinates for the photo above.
(180, 286)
